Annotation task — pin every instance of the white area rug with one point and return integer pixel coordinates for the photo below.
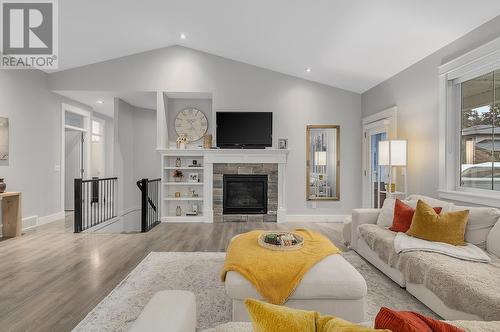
(199, 272)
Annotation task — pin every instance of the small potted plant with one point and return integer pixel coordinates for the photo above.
(177, 175)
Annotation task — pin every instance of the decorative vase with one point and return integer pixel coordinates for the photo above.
(177, 194)
(3, 186)
(207, 141)
(178, 211)
(178, 162)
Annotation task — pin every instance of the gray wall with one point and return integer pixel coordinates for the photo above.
(238, 86)
(415, 92)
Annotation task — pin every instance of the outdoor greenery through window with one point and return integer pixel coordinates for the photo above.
(480, 141)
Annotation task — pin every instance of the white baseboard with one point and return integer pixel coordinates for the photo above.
(34, 221)
(339, 218)
(51, 218)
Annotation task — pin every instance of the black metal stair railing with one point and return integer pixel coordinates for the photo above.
(150, 207)
(94, 202)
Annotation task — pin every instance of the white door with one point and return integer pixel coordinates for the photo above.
(75, 151)
(372, 134)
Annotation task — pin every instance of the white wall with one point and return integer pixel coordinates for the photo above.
(415, 92)
(135, 158)
(237, 86)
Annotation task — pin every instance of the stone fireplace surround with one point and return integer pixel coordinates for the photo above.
(270, 169)
(269, 161)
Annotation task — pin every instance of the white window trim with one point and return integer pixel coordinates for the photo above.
(479, 61)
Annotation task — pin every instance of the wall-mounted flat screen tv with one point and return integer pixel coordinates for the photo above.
(244, 130)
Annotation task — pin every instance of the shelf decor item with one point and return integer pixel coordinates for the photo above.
(177, 175)
(207, 141)
(191, 123)
(177, 194)
(182, 141)
(3, 186)
(178, 162)
(280, 241)
(193, 178)
(178, 211)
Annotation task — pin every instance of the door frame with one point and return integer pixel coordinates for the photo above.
(86, 129)
(387, 118)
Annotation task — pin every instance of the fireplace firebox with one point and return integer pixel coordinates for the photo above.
(244, 194)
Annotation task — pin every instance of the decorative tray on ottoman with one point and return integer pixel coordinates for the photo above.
(282, 241)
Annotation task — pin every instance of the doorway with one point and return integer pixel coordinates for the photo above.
(75, 150)
(376, 128)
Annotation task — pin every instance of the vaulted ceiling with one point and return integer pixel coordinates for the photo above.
(350, 44)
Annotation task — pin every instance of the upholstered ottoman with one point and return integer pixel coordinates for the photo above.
(332, 287)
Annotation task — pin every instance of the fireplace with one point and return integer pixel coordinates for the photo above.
(244, 194)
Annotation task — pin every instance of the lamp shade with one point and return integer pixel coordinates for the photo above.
(392, 153)
(320, 158)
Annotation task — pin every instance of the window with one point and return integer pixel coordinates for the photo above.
(469, 127)
(480, 132)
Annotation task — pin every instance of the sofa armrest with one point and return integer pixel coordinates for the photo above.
(360, 217)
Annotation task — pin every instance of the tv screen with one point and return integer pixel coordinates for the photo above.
(251, 130)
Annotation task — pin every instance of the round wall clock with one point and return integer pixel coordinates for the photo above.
(192, 123)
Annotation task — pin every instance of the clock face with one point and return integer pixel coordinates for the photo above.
(192, 123)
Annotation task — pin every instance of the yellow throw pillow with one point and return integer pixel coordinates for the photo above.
(445, 227)
(274, 318)
(335, 324)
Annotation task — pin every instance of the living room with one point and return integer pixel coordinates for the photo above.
(343, 175)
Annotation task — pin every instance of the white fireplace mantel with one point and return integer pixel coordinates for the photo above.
(237, 156)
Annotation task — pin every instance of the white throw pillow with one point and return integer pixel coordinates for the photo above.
(386, 215)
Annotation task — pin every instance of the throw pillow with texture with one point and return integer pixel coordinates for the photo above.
(406, 321)
(274, 318)
(403, 215)
(446, 227)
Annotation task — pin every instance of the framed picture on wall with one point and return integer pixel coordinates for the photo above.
(283, 143)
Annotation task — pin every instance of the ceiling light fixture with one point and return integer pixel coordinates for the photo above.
(308, 69)
(100, 102)
(183, 36)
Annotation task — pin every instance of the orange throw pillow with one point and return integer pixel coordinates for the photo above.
(406, 321)
(403, 214)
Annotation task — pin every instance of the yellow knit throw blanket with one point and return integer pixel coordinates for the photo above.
(275, 274)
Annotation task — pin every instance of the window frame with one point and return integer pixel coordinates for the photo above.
(479, 61)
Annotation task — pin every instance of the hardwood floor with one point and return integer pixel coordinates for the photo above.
(51, 278)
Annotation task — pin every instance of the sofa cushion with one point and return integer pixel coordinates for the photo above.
(481, 221)
(493, 242)
(462, 285)
(381, 241)
(447, 206)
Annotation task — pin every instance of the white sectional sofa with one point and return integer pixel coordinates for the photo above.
(453, 288)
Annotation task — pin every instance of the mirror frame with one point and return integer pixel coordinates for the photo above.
(308, 163)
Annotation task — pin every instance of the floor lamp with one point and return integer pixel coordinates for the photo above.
(392, 154)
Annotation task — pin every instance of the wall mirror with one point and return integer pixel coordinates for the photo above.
(323, 162)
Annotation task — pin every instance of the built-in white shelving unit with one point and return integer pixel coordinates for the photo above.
(186, 201)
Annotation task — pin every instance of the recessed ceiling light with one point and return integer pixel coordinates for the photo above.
(183, 36)
(308, 69)
(100, 102)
